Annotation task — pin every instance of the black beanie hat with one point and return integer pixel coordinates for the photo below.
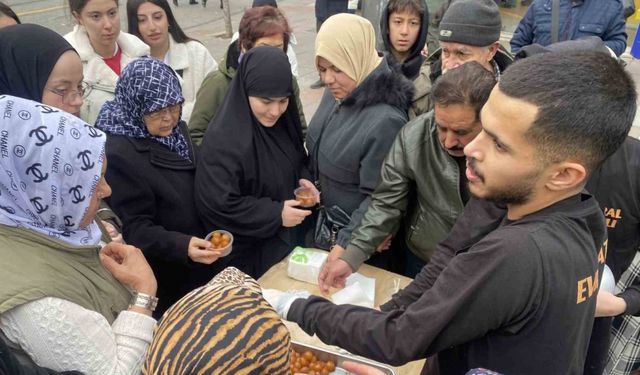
(472, 22)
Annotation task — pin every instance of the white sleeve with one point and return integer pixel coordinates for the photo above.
(202, 64)
(293, 60)
(63, 336)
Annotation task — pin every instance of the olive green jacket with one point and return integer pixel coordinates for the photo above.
(211, 95)
(420, 183)
(421, 101)
(35, 266)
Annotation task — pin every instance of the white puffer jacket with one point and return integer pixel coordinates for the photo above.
(192, 61)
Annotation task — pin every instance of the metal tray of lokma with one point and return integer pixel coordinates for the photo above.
(338, 358)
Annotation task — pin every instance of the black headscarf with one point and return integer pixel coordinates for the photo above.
(233, 55)
(411, 66)
(28, 54)
(247, 170)
(263, 3)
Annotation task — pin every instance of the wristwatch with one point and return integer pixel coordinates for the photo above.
(144, 301)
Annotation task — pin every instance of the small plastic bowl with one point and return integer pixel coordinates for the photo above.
(306, 196)
(224, 251)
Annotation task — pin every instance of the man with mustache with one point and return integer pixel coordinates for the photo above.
(470, 31)
(423, 181)
(515, 292)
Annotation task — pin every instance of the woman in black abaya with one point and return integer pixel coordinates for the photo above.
(252, 160)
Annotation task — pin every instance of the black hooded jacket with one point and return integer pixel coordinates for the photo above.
(410, 67)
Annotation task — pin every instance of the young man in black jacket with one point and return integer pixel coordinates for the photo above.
(616, 187)
(515, 293)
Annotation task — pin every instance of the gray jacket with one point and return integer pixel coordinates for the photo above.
(420, 182)
(357, 136)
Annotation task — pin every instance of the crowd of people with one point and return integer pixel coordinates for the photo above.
(506, 186)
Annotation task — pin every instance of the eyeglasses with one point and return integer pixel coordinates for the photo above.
(69, 95)
(173, 110)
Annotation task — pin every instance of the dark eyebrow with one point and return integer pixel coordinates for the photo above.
(99, 12)
(496, 138)
(62, 81)
(152, 14)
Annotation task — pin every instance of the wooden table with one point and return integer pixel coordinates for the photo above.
(387, 283)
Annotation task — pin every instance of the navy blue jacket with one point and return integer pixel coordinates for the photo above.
(578, 19)
(327, 8)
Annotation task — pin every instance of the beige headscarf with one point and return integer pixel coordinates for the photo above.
(349, 43)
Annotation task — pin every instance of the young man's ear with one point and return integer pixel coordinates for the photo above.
(567, 176)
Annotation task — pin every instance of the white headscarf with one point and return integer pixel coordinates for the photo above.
(50, 165)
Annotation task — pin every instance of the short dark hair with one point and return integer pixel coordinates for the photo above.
(469, 84)
(412, 6)
(174, 29)
(259, 22)
(586, 104)
(77, 5)
(4, 9)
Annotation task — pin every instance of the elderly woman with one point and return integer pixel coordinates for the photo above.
(64, 302)
(252, 160)
(151, 170)
(363, 107)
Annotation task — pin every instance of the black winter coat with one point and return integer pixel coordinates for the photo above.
(359, 131)
(153, 192)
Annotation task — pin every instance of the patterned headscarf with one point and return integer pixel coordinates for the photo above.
(50, 165)
(146, 85)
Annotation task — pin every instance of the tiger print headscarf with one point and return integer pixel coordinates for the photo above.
(224, 327)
